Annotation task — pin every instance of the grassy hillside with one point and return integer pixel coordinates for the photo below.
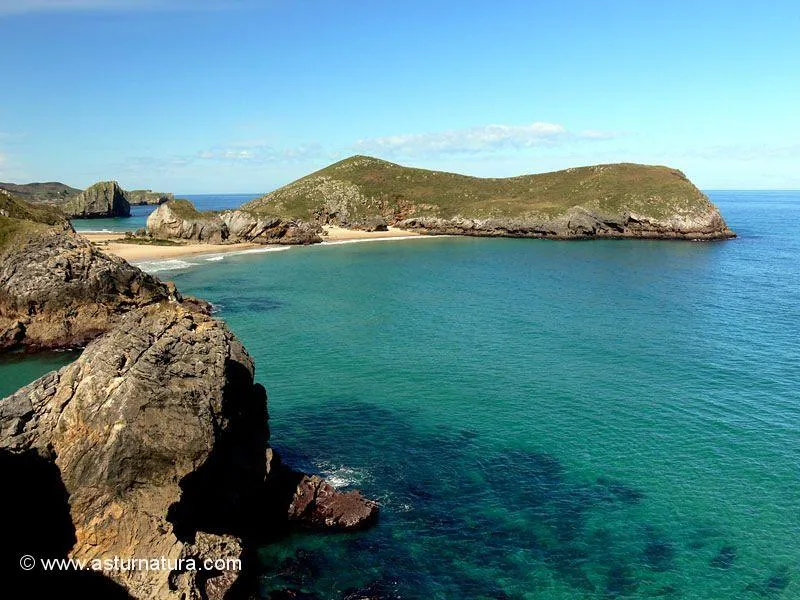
(52, 192)
(19, 218)
(361, 186)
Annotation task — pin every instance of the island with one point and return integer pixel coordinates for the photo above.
(364, 193)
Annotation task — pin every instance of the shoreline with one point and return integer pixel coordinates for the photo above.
(137, 253)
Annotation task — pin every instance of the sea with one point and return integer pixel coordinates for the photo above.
(538, 419)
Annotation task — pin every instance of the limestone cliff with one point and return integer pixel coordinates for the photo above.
(179, 219)
(147, 197)
(58, 291)
(103, 199)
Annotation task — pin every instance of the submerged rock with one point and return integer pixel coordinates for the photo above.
(103, 199)
(58, 291)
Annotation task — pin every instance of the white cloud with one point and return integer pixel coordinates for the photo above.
(473, 140)
(261, 153)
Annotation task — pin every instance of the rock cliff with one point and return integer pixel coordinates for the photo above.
(179, 219)
(103, 199)
(147, 197)
(153, 444)
(57, 291)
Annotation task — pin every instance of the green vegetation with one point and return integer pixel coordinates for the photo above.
(51, 192)
(19, 219)
(361, 186)
(186, 210)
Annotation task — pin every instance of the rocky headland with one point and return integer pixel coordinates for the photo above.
(153, 443)
(103, 199)
(604, 201)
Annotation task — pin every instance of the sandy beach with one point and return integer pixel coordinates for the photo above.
(110, 242)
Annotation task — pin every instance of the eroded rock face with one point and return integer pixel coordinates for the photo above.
(316, 504)
(103, 199)
(167, 223)
(580, 223)
(231, 226)
(160, 435)
(57, 291)
(147, 197)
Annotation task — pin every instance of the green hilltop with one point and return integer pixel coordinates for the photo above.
(361, 187)
(19, 218)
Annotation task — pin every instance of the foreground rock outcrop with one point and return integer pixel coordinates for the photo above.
(157, 431)
(103, 199)
(152, 445)
(179, 219)
(160, 437)
(58, 291)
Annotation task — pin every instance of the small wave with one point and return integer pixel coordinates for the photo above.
(261, 250)
(342, 476)
(214, 258)
(165, 265)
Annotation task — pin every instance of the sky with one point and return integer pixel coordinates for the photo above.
(205, 96)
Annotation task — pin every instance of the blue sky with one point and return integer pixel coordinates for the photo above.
(243, 96)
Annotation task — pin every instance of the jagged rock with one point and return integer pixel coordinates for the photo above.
(180, 220)
(103, 199)
(159, 434)
(318, 505)
(57, 291)
(374, 223)
(581, 223)
(147, 197)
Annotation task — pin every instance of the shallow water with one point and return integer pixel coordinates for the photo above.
(549, 420)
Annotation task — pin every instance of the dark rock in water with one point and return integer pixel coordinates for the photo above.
(724, 558)
(58, 291)
(318, 505)
(620, 491)
(774, 585)
(292, 594)
(659, 552)
(620, 581)
(103, 199)
(375, 591)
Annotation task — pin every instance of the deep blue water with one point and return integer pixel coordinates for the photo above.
(539, 420)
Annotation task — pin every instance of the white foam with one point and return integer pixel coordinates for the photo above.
(341, 476)
(165, 265)
(215, 258)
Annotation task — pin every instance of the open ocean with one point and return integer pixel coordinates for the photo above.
(539, 419)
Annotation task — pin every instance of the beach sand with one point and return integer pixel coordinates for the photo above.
(109, 242)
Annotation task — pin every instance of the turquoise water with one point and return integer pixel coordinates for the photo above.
(548, 420)
(139, 214)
